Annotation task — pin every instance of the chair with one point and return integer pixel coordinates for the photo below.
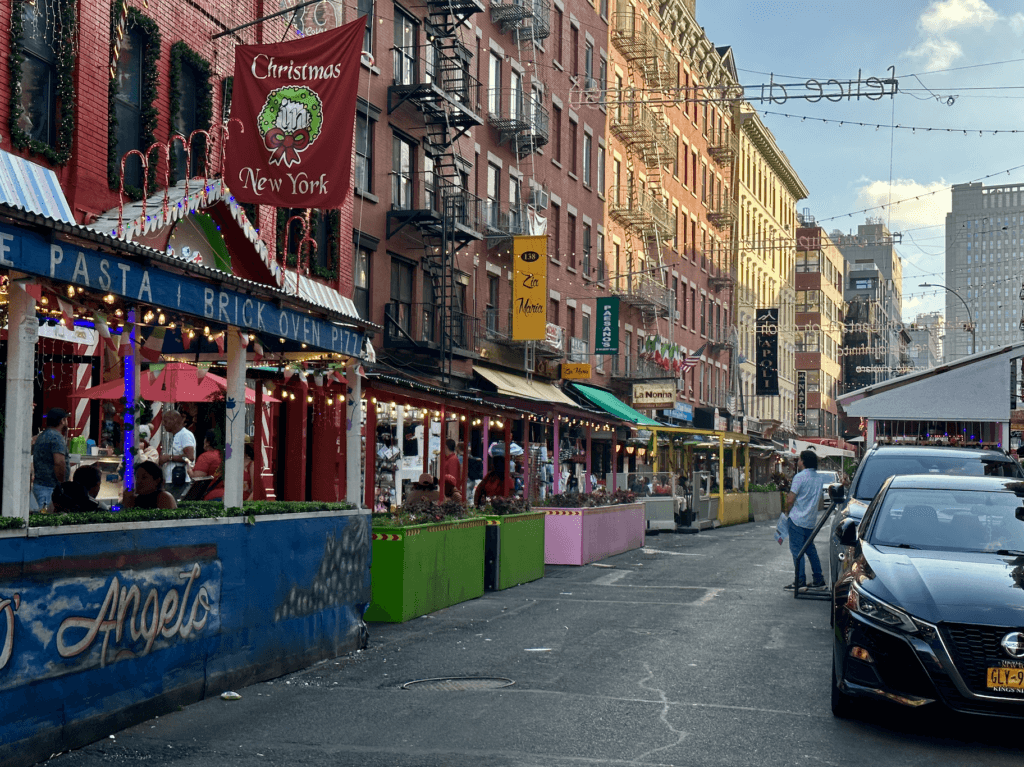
(198, 489)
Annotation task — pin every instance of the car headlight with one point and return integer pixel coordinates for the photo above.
(873, 609)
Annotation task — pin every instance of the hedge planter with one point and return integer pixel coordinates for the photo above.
(515, 550)
(418, 569)
(735, 510)
(582, 536)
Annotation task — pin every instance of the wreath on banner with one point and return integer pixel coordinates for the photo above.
(290, 122)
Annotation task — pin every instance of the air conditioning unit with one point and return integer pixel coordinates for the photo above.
(540, 198)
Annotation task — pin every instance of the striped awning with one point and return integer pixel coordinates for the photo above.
(32, 188)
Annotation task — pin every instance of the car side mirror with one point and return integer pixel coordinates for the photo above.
(837, 492)
(846, 533)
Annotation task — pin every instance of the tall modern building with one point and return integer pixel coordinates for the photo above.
(983, 257)
(874, 286)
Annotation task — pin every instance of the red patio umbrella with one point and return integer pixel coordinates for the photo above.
(177, 382)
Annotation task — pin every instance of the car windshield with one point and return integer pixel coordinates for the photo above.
(828, 477)
(949, 520)
(880, 467)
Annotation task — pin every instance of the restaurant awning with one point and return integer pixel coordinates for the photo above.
(512, 385)
(32, 188)
(613, 406)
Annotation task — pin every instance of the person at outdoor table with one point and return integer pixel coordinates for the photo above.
(492, 485)
(149, 490)
(50, 457)
(183, 448)
(71, 498)
(208, 464)
(451, 491)
(423, 489)
(451, 460)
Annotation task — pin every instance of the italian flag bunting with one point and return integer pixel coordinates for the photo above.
(154, 345)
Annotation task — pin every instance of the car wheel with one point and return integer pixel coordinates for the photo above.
(842, 704)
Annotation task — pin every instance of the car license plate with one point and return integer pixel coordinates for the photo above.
(1006, 677)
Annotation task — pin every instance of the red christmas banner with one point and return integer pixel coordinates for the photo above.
(296, 102)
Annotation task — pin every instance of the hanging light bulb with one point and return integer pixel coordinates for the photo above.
(109, 298)
(71, 291)
(148, 316)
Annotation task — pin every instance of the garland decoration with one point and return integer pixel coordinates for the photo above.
(66, 55)
(180, 52)
(150, 82)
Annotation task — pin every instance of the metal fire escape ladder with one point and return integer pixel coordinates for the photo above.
(447, 217)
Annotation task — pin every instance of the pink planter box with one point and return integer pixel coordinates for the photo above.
(581, 536)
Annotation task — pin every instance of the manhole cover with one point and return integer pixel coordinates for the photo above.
(458, 683)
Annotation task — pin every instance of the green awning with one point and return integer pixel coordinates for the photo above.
(613, 406)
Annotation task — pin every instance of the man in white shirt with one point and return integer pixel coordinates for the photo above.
(182, 452)
(803, 514)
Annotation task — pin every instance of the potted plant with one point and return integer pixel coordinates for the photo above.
(514, 543)
(426, 556)
(580, 528)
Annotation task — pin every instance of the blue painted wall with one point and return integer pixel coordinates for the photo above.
(102, 629)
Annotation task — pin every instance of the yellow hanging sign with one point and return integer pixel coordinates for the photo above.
(575, 370)
(530, 288)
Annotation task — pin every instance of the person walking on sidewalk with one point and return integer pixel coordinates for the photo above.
(803, 514)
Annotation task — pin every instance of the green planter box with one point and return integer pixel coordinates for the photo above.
(515, 549)
(422, 568)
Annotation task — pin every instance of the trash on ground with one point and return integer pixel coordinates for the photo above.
(537, 649)
(598, 564)
(230, 696)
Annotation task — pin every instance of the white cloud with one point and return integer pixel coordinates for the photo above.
(945, 15)
(946, 24)
(914, 205)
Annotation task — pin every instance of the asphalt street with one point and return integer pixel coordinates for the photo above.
(687, 652)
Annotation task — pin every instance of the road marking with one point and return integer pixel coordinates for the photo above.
(648, 550)
(610, 578)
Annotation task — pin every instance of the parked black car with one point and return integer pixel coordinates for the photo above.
(884, 461)
(931, 607)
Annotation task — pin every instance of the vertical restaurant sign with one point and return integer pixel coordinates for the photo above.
(296, 103)
(767, 339)
(530, 289)
(606, 340)
(801, 398)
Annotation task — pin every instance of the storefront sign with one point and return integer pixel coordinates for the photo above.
(681, 412)
(530, 289)
(801, 398)
(295, 104)
(28, 252)
(606, 339)
(575, 370)
(767, 338)
(554, 337)
(658, 393)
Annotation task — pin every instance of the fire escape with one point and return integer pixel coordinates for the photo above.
(435, 79)
(522, 122)
(640, 205)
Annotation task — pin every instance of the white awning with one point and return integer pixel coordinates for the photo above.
(32, 188)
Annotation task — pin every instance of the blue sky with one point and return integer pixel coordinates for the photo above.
(848, 168)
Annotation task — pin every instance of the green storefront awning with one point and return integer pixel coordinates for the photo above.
(612, 405)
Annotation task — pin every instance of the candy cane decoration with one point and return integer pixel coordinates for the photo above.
(145, 188)
(304, 220)
(82, 373)
(266, 477)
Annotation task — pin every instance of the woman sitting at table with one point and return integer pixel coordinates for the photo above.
(208, 463)
(149, 490)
